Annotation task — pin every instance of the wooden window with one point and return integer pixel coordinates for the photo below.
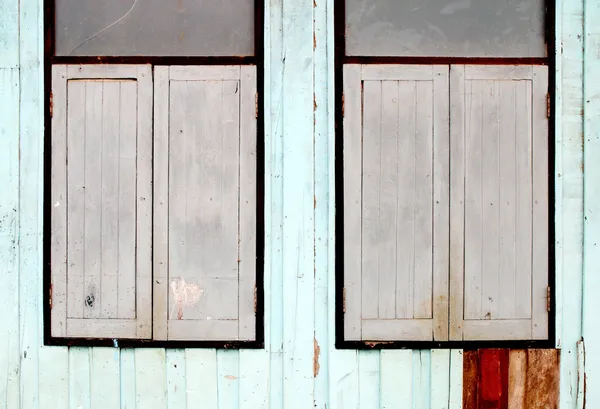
(445, 204)
(101, 198)
(154, 28)
(154, 231)
(434, 28)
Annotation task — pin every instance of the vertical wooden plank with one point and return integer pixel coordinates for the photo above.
(58, 235)
(298, 205)
(54, 378)
(508, 182)
(352, 200)
(247, 203)
(524, 232)
(92, 196)
(541, 208)
(388, 198)
(79, 378)
(9, 238)
(75, 203)
(109, 220)
(473, 201)
(423, 187)
(127, 199)
(421, 378)
(150, 381)
(456, 379)
(127, 381)
(228, 379)
(105, 372)
(176, 379)
(201, 377)
(591, 302)
(440, 379)
(441, 202)
(396, 385)
(569, 191)
(369, 379)
(161, 204)
(253, 387)
(405, 233)
(493, 378)
(9, 38)
(457, 200)
(542, 379)
(371, 185)
(470, 391)
(517, 377)
(490, 228)
(144, 221)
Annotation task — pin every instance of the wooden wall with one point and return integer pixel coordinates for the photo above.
(299, 367)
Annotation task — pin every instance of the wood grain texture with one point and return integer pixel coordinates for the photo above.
(101, 181)
(503, 279)
(403, 245)
(9, 238)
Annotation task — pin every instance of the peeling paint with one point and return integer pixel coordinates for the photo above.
(185, 295)
(317, 352)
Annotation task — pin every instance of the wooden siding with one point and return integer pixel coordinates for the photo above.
(298, 90)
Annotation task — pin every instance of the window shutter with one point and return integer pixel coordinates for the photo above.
(396, 202)
(205, 203)
(499, 201)
(101, 201)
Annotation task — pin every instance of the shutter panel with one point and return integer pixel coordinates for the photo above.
(396, 202)
(205, 203)
(499, 222)
(101, 201)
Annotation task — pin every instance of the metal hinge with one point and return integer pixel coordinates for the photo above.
(548, 105)
(548, 304)
(50, 298)
(256, 105)
(51, 104)
(343, 104)
(344, 299)
(255, 300)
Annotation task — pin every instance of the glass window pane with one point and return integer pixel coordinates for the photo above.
(445, 28)
(155, 27)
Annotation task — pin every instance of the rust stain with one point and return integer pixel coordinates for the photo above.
(317, 352)
(315, 3)
(181, 36)
(373, 344)
(230, 377)
(542, 378)
(314, 102)
(470, 370)
(314, 41)
(315, 201)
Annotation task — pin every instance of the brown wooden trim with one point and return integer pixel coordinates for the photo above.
(446, 60)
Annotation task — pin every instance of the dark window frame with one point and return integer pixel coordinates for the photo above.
(257, 59)
(340, 59)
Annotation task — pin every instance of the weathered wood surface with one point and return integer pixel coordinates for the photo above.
(205, 203)
(500, 164)
(397, 215)
(511, 379)
(100, 194)
(44, 373)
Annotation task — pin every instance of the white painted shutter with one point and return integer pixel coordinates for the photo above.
(396, 202)
(205, 203)
(101, 197)
(499, 201)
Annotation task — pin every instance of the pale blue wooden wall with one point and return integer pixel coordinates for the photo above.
(299, 277)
